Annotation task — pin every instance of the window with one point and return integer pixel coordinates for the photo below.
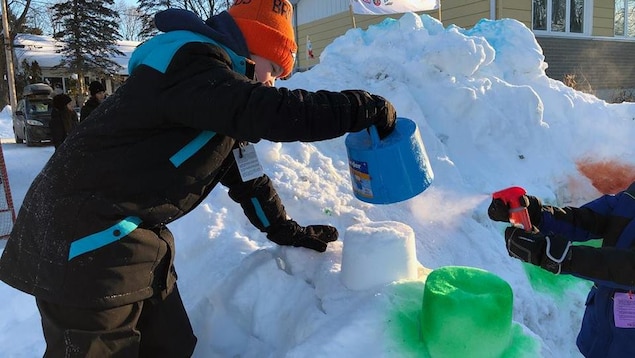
(40, 106)
(625, 18)
(561, 16)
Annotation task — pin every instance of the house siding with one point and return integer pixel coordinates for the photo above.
(313, 10)
(467, 13)
(598, 64)
(516, 9)
(322, 32)
(464, 13)
(603, 13)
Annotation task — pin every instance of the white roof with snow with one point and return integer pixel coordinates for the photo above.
(46, 51)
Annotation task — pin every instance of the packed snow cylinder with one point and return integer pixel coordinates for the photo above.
(378, 253)
(389, 170)
(466, 312)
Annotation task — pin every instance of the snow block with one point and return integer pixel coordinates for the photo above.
(466, 312)
(378, 253)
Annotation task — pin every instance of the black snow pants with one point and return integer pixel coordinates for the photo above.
(156, 327)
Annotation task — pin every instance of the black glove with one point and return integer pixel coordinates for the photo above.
(498, 210)
(385, 118)
(368, 109)
(549, 252)
(314, 237)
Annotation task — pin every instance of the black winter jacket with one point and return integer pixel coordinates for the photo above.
(62, 122)
(88, 107)
(91, 231)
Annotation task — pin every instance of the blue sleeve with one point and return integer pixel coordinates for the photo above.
(585, 223)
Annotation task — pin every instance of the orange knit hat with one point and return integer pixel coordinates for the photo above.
(266, 26)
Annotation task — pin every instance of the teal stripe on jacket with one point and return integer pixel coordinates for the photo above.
(100, 239)
(191, 148)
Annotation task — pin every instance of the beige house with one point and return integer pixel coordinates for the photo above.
(589, 42)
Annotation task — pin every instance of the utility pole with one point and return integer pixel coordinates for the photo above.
(8, 51)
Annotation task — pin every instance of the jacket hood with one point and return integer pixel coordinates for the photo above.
(183, 26)
(221, 28)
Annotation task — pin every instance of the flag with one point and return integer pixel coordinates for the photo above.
(379, 7)
(309, 48)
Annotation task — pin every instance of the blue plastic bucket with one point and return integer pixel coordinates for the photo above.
(390, 170)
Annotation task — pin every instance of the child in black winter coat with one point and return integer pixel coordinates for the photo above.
(97, 95)
(63, 119)
(91, 241)
(608, 326)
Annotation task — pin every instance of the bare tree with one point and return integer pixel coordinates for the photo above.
(203, 8)
(55, 25)
(16, 25)
(131, 23)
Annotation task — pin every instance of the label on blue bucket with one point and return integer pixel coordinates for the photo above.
(360, 178)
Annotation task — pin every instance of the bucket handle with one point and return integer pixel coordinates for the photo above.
(374, 136)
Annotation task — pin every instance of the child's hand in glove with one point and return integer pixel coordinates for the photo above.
(314, 237)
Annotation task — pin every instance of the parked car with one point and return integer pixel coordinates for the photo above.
(32, 115)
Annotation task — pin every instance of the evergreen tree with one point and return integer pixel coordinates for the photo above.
(90, 34)
(28, 73)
